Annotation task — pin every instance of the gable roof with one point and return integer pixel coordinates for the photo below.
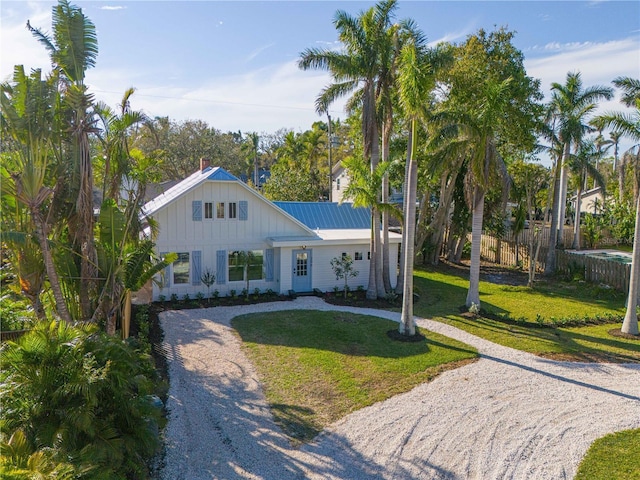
(325, 215)
(209, 173)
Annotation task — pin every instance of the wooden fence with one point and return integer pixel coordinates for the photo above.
(598, 270)
(508, 253)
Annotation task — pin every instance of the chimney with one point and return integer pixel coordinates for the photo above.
(204, 163)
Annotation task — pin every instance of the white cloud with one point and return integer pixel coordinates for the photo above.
(258, 51)
(598, 63)
(17, 44)
(263, 100)
(112, 7)
(454, 36)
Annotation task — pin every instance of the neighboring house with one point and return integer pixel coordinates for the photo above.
(211, 215)
(591, 201)
(340, 181)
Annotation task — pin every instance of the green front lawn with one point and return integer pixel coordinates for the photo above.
(317, 367)
(443, 292)
(612, 457)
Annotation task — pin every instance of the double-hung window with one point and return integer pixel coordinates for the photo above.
(233, 210)
(208, 209)
(181, 269)
(220, 210)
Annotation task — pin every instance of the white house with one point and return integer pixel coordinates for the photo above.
(210, 216)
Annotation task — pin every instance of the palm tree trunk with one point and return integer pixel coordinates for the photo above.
(405, 201)
(386, 270)
(550, 264)
(576, 226)
(84, 207)
(473, 295)
(372, 291)
(61, 305)
(562, 199)
(630, 322)
(407, 323)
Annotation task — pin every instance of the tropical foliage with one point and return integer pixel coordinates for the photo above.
(76, 404)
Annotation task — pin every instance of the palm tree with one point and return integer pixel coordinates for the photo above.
(81, 396)
(357, 70)
(629, 126)
(364, 188)
(570, 107)
(73, 48)
(116, 128)
(416, 80)
(582, 166)
(27, 116)
(625, 124)
(630, 322)
(492, 102)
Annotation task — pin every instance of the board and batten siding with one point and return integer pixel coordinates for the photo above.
(179, 232)
(323, 278)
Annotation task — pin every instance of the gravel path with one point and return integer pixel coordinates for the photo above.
(510, 415)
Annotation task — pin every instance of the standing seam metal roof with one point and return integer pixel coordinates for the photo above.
(325, 215)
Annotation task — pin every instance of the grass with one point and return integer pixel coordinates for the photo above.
(319, 366)
(443, 291)
(612, 457)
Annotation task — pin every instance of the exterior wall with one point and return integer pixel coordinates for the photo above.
(340, 180)
(323, 277)
(180, 233)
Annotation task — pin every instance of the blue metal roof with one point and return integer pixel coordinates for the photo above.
(328, 216)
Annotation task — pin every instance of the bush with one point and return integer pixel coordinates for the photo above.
(15, 314)
(79, 398)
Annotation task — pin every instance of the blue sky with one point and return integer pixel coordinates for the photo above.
(233, 64)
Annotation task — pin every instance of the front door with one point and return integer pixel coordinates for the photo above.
(301, 281)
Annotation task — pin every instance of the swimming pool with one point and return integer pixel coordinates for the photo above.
(620, 257)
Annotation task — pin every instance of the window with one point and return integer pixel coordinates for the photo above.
(368, 255)
(233, 211)
(220, 210)
(344, 255)
(255, 270)
(358, 256)
(337, 184)
(253, 262)
(236, 269)
(181, 269)
(208, 210)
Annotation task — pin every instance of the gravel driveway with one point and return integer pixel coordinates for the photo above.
(510, 415)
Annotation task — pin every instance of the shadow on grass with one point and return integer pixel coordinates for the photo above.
(220, 425)
(340, 332)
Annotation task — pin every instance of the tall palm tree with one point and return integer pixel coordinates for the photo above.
(27, 116)
(364, 190)
(625, 124)
(583, 165)
(416, 80)
(73, 49)
(628, 124)
(630, 322)
(570, 107)
(492, 102)
(356, 70)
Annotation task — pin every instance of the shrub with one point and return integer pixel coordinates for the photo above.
(78, 398)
